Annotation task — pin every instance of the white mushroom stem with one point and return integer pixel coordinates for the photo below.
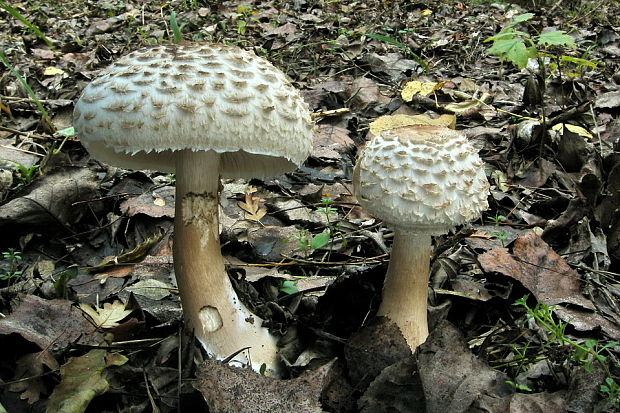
(405, 291)
(220, 321)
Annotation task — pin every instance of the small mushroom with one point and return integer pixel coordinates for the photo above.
(421, 181)
(203, 111)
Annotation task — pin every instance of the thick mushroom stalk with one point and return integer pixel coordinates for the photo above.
(220, 321)
(405, 289)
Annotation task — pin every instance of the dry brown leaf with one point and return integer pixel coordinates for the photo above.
(252, 208)
(32, 365)
(540, 269)
(550, 279)
(230, 389)
(108, 316)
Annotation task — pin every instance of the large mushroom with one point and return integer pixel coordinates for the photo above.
(421, 181)
(203, 111)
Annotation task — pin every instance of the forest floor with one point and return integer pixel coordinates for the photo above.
(523, 303)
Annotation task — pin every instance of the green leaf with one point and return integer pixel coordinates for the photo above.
(320, 240)
(578, 61)
(288, 287)
(176, 30)
(513, 50)
(521, 18)
(68, 132)
(508, 35)
(556, 38)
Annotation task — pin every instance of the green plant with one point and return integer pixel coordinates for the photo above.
(244, 13)
(518, 47)
(332, 228)
(498, 219)
(586, 353)
(611, 391)
(306, 242)
(12, 258)
(519, 387)
(593, 353)
(177, 36)
(16, 14)
(25, 175)
(501, 237)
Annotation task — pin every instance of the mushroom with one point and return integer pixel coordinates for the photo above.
(203, 111)
(421, 181)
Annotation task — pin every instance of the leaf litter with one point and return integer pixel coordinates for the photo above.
(552, 231)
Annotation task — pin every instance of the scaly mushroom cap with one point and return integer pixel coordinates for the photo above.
(422, 178)
(162, 99)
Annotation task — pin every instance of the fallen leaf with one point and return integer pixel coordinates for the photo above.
(397, 389)
(133, 256)
(230, 389)
(151, 288)
(32, 366)
(550, 279)
(540, 269)
(397, 121)
(108, 316)
(82, 378)
(51, 203)
(53, 71)
(156, 204)
(452, 376)
(559, 127)
(608, 100)
(48, 322)
(331, 142)
(416, 87)
(523, 403)
(252, 208)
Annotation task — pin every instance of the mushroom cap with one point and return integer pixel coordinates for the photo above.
(421, 178)
(158, 100)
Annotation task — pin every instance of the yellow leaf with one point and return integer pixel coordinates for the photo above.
(53, 71)
(461, 107)
(426, 12)
(416, 87)
(500, 179)
(158, 200)
(573, 128)
(108, 316)
(397, 121)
